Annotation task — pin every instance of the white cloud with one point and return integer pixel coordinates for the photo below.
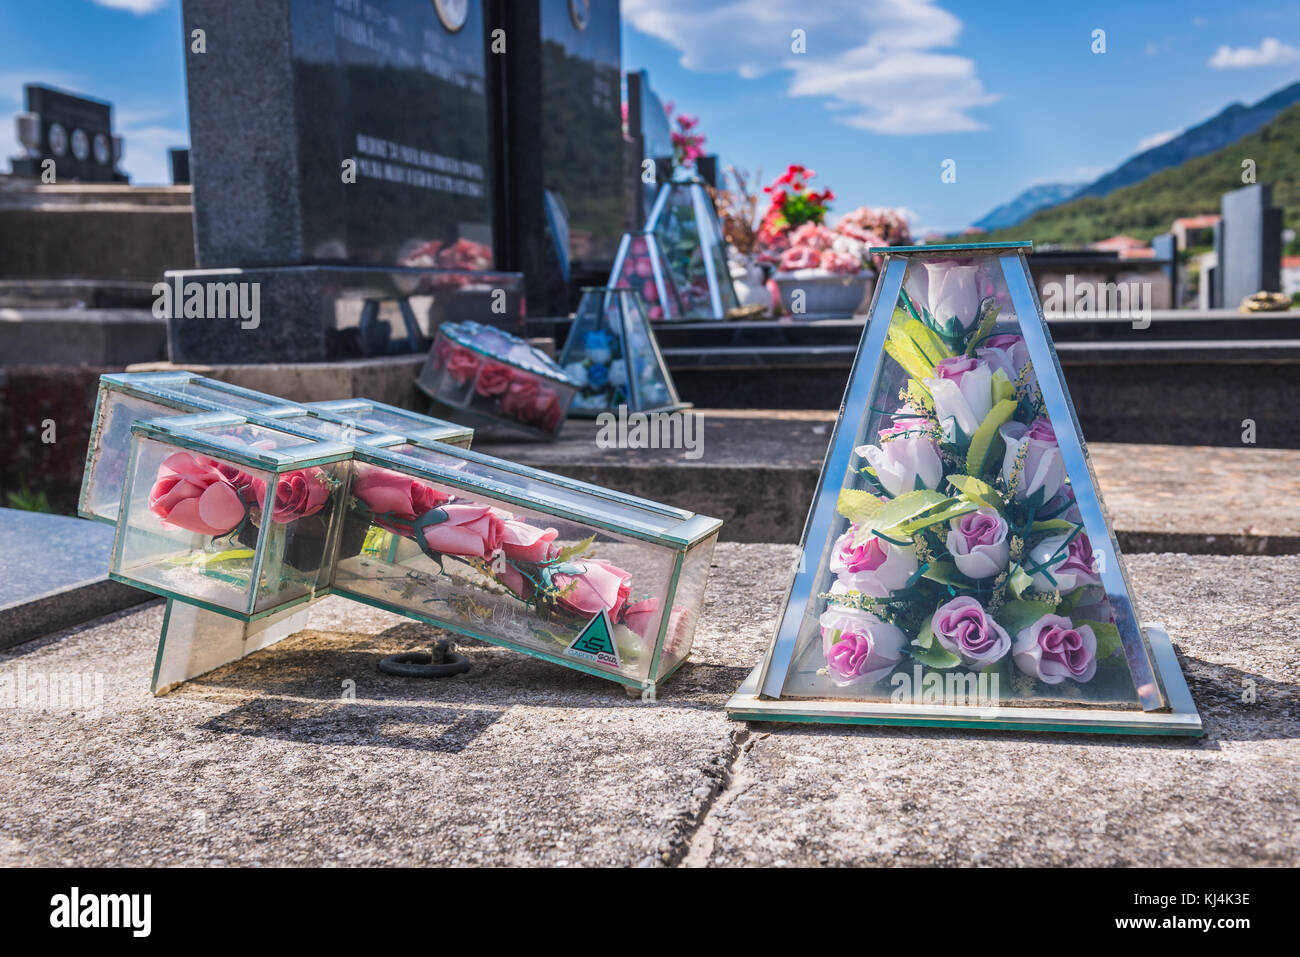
(1155, 139)
(879, 63)
(1270, 52)
(137, 7)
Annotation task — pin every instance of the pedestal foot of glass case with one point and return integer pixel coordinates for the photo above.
(1180, 718)
(195, 641)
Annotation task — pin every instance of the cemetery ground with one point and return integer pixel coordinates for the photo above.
(304, 753)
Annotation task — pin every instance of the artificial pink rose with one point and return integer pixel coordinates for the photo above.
(526, 543)
(441, 350)
(1071, 566)
(650, 292)
(520, 399)
(1053, 649)
(949, 290)
(297, 495)
(190, 493)
(396, 496)
(965, 629)
(800, 257)
(547, 410)
(962, 387)
(841, 263)
(643, 267)
(494, 379)
(978, 543)
(905, 463)
(641, 615)
(1006, 354)
(1044, 469)
(595, 587)
(859, 647)
(462, 364)
(471, 531)
(514, 580)
(655, 312)
(875, 567)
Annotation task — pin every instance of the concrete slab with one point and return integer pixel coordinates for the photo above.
(305, 754)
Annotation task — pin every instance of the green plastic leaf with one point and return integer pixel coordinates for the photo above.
(982, 441)
(904, 351)
(926, 637)
(1002, 387)
(1052, 525)
(941, 572)
(572, 551)
(985, 318)
(906, 507)
(926, 341)
(936, 656)
(857, 505)
(1107, 637)
(1015, 616)
(956, 510)
(1018, 581)
(977, 490)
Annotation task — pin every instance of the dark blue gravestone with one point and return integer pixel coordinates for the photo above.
(1250, 250)
(75, 132)
(563, 210)
(1165, 247)
(341, 159)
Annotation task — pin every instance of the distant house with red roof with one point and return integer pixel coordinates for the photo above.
(1194, 230)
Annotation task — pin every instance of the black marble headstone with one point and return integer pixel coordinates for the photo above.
(76, 132)
(1251, 251)
(562, 125)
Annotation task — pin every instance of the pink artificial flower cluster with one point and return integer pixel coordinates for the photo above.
(638, 273)
(210, 497)
(813, 246)
(688, 144)
(463, 254)
(519, 394)
(522, 557)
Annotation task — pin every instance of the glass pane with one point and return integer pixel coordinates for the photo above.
(503, 572)
(959, 569)
(110, 447)
(597, 503)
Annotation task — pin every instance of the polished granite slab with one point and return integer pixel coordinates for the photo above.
(54, 574)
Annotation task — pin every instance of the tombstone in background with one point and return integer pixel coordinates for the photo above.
(563, 162)
(341, 163)
(1249, 244)
(1166, 250)
(179, 158)
(1214, 273)
(652, 139)
(74, 131)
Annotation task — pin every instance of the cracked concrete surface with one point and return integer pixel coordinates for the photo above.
(305, 754)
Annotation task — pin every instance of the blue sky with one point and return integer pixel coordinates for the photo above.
(885, 92)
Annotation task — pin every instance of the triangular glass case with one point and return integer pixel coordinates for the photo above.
(958, 566)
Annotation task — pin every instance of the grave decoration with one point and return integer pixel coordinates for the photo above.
(642, 267)
(613, 356)
(240, 516)
(686, 223)
(599, 581)
(130, 397)
(958, 568)
(490, 376)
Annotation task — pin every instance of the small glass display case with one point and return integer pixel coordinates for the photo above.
(605, 583)
(641, 266)
(958, 565)
(492, 376)
(130, 397)
(613, 356)
(228, 514)
(371, 416)
(686, 223)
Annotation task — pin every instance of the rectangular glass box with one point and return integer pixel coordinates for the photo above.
(377, 417)
(491, 376)
(129, 397)
(230, 515)
(605, 583)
